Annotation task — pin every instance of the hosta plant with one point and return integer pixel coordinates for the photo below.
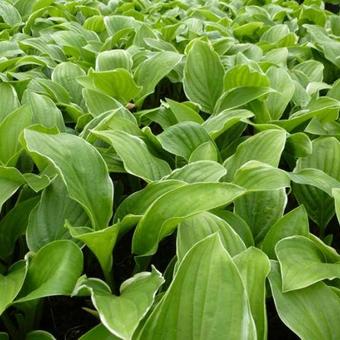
(169, 169)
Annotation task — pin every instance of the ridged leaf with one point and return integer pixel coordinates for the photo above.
(110, 60)
(183, 138)
(206, 300)
(254, 266)
(203, 76)
(100, 242)
(293, 223)
(240, 96)
(261, 209)
(151, 71)
(198, 227)
(321, 302)
(217, 124)
(265, 147)
(122, 314)
(46, 222)
(295, 254)
(161, 218)
(53, 270)
(319, 205)
(282, 82)
(9, 99)
(244, 75)
(137, 158)
(258, 176)
(73, 157)
(11, 283)
(199, 171)
(66, 75)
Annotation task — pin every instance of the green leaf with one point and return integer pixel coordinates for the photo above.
(299, 145)
(334, 91)
(184, 112)
(261, 209)
(323, 108)
(39, 335)
(14, 224)
(314, 88)
(283, 84)
(275, 33)
(9, 99)
(254, 267)
(317, 127)
(330, 47)
(319, 205)
(293, 223)
(117, 83)
(238, 224)
(53, 270)
(115, 23)
(217, 124)
(50, 89)
(46, 221)
(277, 56)
(265, 146)
(244, 75)
(137, 203)
(336, 195)
(197, 227)
(329, 253)
(10, 284)
(98, 332)
(9, 49)
(199, 171)
(159, 45)
(206, 299)
(66, 75)
(149, 73)
(73, 157)
(11, 179)
(247, 30)
(97, 102)
(321, 302)
(205, 151)
(203, 76)
(162, 116)
(315, 178)
(36, 182)
(258, 176)
(119, 120)
(122, 314)
(10, 129)
(137, 158)
(110, 60)
(240, 96)
(183, 138)
(39, 106)
(161, 219)
(100, 242)
(9, 14)
(4, 336)
(295, 254)
(301, 98)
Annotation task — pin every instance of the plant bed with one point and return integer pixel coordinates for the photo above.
(169, 169)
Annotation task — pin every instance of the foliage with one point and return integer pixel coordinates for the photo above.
(185, 151)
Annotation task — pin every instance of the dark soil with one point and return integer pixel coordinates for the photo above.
(333, 8)
(65, 319)
(277, 330)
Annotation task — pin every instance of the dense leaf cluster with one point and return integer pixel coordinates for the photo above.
(185, 151)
